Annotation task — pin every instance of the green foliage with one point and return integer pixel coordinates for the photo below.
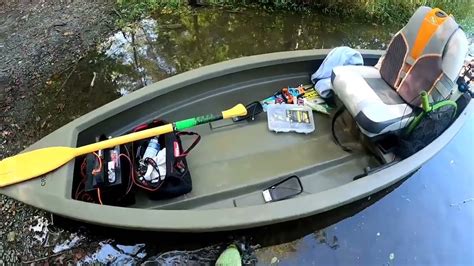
(379, 11)
(396, 11)
(130, 10)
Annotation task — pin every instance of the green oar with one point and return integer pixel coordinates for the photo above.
(35, 163)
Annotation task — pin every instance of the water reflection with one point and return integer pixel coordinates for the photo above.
(173, 42)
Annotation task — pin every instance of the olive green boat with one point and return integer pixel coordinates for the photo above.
(231, 165)
(235, 164)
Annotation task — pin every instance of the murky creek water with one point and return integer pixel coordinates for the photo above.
(428, 219)
(171, 43)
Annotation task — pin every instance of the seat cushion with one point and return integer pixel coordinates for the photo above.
(375, 106)
(384, 91)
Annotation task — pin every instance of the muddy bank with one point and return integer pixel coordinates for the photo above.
(38, 38)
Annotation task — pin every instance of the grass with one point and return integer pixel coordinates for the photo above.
(378, 11)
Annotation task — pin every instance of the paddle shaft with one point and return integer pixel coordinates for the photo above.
(147, 133)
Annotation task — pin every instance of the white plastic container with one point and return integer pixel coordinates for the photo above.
(290, 118)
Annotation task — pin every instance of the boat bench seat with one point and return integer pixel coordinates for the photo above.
(425, 55)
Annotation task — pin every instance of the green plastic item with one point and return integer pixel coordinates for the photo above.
(425, 103)
(427, 108)
(230, 257)
(183, 124)
(192, 122)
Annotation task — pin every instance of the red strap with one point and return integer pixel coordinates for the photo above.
(195, 142)
(140, 127)
(153, 123)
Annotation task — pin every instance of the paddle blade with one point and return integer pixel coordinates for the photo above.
(32, 164)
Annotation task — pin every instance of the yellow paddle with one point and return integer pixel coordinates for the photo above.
(35, 163)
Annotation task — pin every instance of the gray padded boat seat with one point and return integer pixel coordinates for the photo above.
(426, 55)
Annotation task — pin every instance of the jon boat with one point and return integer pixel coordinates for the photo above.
(233, 164)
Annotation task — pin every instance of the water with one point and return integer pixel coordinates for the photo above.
(174, 42)
(423, 221)
(428, 220)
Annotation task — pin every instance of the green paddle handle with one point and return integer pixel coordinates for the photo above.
(238, 110)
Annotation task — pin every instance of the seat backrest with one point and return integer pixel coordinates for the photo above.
(427, 54)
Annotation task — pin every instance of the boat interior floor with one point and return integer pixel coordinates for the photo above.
(235, 162)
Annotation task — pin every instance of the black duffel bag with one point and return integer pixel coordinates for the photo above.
(177, 180)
